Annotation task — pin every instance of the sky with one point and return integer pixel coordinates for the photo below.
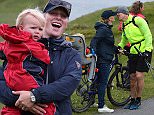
(82, 7)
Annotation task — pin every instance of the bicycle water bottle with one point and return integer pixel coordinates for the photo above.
(92, 52)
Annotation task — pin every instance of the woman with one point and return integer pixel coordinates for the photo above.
(137, 9)
(103, 45)
(64, 71)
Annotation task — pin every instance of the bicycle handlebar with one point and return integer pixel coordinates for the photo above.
(125, 52)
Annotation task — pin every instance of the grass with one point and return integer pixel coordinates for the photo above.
(9, 10)
(148, 92)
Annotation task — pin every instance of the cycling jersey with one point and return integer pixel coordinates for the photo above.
(140, 36)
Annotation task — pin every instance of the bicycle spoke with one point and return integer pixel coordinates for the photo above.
(118, 89)
(80, 99)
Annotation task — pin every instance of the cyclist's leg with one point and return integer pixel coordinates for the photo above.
(141, 67)
(140, 83)
(139, 88)
(133, 83)
(132, 70)
(138, 65)
(133, 87)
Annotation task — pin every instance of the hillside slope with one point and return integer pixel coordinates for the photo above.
(85, 24)
(9, 9)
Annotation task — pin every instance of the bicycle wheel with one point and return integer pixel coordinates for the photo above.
(81, 100)
(118, 88)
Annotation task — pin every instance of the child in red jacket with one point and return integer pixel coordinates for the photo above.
(20, 43)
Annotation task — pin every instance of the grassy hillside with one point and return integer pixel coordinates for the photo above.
(9, 10)
(85, 24)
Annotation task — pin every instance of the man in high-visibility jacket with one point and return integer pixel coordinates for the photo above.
(137, 32)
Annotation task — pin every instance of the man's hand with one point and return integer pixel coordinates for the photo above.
(24, 100)
(118, 49)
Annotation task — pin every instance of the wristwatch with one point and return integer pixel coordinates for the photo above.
(32, 97)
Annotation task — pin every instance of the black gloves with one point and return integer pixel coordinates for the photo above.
(117, 48)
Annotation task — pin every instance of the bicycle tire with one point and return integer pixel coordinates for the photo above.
(118, 92)
(80, 99)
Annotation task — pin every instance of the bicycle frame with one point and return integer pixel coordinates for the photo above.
(114, 62)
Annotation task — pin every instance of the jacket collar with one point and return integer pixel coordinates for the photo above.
(56, 41)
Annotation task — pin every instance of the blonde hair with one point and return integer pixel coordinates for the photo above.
(34, 12)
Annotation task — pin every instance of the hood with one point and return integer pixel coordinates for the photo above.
(60, 42)
(14, 35)
(55, 42)
(101, 24)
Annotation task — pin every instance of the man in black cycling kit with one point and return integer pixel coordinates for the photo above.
(139, 36)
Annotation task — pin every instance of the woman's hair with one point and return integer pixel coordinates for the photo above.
(104, 20)
(34, 12)
(136, 7)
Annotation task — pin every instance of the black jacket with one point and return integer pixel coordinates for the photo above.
(103, 43)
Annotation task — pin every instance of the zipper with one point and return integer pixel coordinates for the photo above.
(47, 78)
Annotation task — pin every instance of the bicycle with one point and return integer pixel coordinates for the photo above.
(84, 95)
(126, 82)
(118, 88)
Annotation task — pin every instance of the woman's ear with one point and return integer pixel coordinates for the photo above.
(20, 27)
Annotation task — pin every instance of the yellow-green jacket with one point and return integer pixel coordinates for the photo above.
(134, 34)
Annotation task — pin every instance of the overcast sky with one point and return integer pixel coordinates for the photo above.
(82, 7)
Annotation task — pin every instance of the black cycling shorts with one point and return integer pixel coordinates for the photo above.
(137, 63)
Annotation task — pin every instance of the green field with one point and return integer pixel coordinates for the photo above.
(85, 25)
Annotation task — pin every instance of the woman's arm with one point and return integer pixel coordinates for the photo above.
(63, 87)
(58, 90)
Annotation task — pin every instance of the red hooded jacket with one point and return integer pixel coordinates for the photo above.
(16, 47)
